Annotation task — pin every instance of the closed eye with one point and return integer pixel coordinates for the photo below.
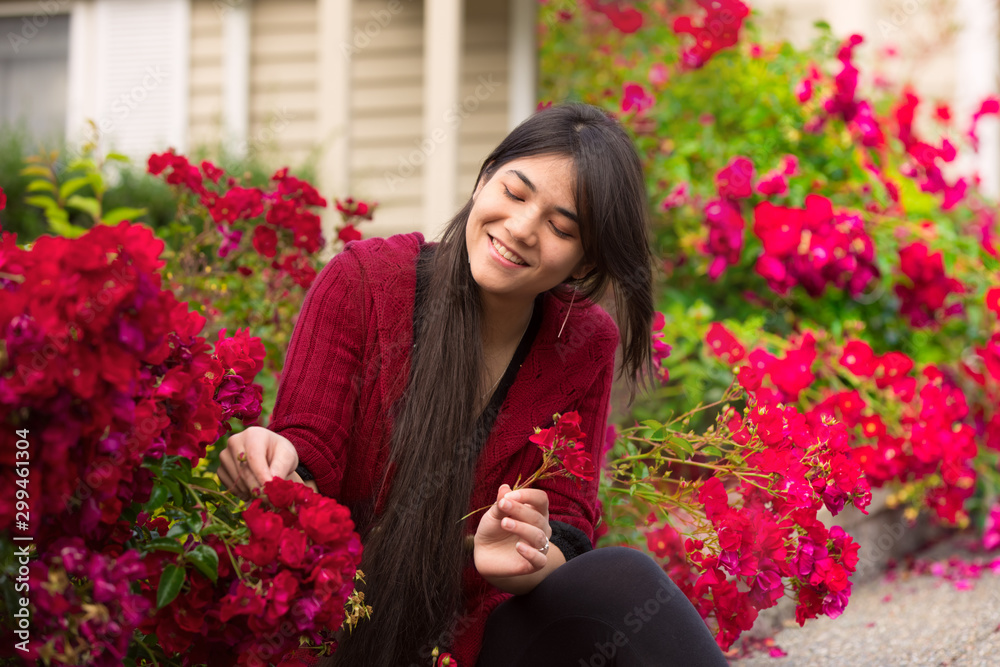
(561, 234)
(511, 195)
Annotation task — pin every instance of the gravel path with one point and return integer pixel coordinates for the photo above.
(914, 620)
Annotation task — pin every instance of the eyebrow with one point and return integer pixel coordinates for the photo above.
(531, 186)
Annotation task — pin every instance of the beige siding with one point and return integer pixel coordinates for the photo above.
(387, 113)
(483, 93)
(387, 107)
(205, 110)
(283, 76)
(386, 151)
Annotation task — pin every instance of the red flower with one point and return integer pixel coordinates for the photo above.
(626, 20)
(211, 172)
(749, 378)
(993, 300)
(891, 368)
(779, 228)
(735, 180)
(577, 461)
(858, 358)
(265, 240)
(242, 352)
(568, 427)
(348, 233)
(326, 523)
(725, 235)
(3, 200)
(544, 438)
(723, 344)
(719, 29)
(351, 208)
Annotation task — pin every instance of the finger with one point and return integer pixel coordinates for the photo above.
(229, 472)
(494, 510)
(284, 462)
(528, 533)
(256, 464)
(535, 557)
(537, 498)
(521, 512)
(231, 486)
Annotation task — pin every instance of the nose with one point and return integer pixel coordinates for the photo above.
(522, 228)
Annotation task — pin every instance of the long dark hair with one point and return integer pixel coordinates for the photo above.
(414, 555)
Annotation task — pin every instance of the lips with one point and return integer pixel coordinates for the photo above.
(492, 238)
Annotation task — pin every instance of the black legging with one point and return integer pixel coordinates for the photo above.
(609, 606)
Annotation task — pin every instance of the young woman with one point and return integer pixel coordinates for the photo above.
(415, 375)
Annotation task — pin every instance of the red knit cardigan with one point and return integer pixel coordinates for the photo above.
(349, 360)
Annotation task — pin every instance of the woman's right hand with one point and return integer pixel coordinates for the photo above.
(253, 457)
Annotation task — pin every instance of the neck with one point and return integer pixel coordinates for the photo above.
(504, 320)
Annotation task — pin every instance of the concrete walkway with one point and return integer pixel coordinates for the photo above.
(911, 619)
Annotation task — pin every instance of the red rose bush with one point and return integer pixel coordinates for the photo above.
(111, 401)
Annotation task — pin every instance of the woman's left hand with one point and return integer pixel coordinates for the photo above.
(511, 533)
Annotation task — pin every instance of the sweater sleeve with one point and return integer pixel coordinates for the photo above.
(571, 501)
(320, 381)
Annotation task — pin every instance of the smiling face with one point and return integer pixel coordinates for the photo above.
(527, 207)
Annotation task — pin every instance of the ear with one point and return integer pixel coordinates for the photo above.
(582, 270)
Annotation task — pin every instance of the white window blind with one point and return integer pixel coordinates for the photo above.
(141, 55)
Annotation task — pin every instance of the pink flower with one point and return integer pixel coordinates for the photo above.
(635, 97)
(735, 180)
(658, 74)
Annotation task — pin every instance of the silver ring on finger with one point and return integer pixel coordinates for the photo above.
(545, 549)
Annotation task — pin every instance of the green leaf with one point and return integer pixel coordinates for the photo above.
(38, 170)
(171, 582)
(59, 221)
(166, 544)
(82, 164)
(88, 205)
(96, 182)
(157, 497)
(175, 491)
(204, 558)
(206, 482)
(114, 216)
(41, 185)
(682, 448)
(214, 528)
(41, 201)
(117, 157)
(711, 450)
(72, 185)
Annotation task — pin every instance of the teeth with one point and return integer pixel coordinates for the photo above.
(506, 253)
